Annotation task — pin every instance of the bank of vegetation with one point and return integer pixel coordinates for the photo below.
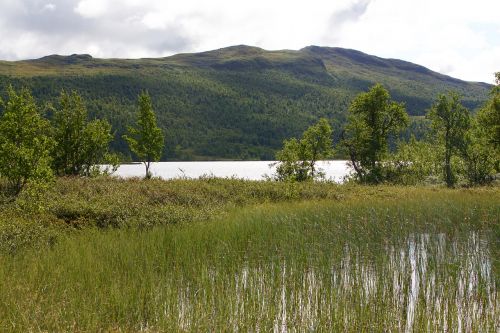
(458, 147)
(354, 258)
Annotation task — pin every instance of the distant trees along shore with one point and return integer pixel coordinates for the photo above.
(459, 147)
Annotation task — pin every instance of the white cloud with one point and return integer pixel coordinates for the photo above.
(91, 8)
(441, 35)
(458, 37)
(49, 7)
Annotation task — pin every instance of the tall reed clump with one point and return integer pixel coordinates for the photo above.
(385, 259)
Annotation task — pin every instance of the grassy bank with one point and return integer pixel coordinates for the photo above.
(258, 257)
(74, 204)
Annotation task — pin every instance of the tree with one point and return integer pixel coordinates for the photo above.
(292, 165)
(25, 143)
(482, 150)
(80, 145)
(478, 156)
(146, 140)
(372, 118)
(317, 142)
(450, 121)
(297, 159)
(97, 136)
(413, 162)
(489, 120)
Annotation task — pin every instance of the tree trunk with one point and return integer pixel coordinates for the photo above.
(447, 170)
(148, 173)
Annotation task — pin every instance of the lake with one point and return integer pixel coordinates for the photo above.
(251, 170)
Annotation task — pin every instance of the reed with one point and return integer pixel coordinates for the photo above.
(367, 259)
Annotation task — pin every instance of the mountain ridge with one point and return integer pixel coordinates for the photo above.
(242, 49)
(237, 102)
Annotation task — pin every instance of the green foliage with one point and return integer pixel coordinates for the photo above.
(97, 138)
(297, 159)
(462, 148)
(80, 145)
(18, 232)
(489, 122)
(290, 165)
(233, 103)
(25, 142)
(414, 162)
(480, 159)
(146, 140)
(482, 151)
(450, 121)
(373, 117)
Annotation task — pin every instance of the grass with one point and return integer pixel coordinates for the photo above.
(348, 258)
(79, 204)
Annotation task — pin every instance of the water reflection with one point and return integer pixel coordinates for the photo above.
(426, 283)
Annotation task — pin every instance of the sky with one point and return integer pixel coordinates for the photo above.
(460, 38)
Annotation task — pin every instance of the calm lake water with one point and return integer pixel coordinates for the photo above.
(251, 170)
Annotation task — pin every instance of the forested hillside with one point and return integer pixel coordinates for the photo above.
(238, 102)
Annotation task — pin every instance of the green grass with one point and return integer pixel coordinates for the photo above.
(344, 261)
(71, 205)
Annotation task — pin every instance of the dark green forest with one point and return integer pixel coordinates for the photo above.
(235, 103)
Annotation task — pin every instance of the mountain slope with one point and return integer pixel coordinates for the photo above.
(235, 102)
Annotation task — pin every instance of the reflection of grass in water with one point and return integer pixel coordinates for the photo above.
(353, 265)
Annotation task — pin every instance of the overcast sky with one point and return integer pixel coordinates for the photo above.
(460, 38)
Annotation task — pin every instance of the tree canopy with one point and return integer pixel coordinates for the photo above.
(146, 140)
(297, 159)
(80, 144)
(450, 121)
(25, 141)
(372, 118)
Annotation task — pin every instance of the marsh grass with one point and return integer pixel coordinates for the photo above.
(373, 259)
(79, 204)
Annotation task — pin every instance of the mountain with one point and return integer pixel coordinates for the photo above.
(238, 102)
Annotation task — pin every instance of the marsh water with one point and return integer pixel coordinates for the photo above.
(251, 170)
(427, 283)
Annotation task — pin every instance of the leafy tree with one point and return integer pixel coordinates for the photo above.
(97, 136)
(372, 118)
(450, 121)
(478, 156)
(413, 162)
(80, 145)
(297, 159)
(146, 140)
(481, 152)
(489, 121)
(292, 165)
(317, 142)
(25, 142)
